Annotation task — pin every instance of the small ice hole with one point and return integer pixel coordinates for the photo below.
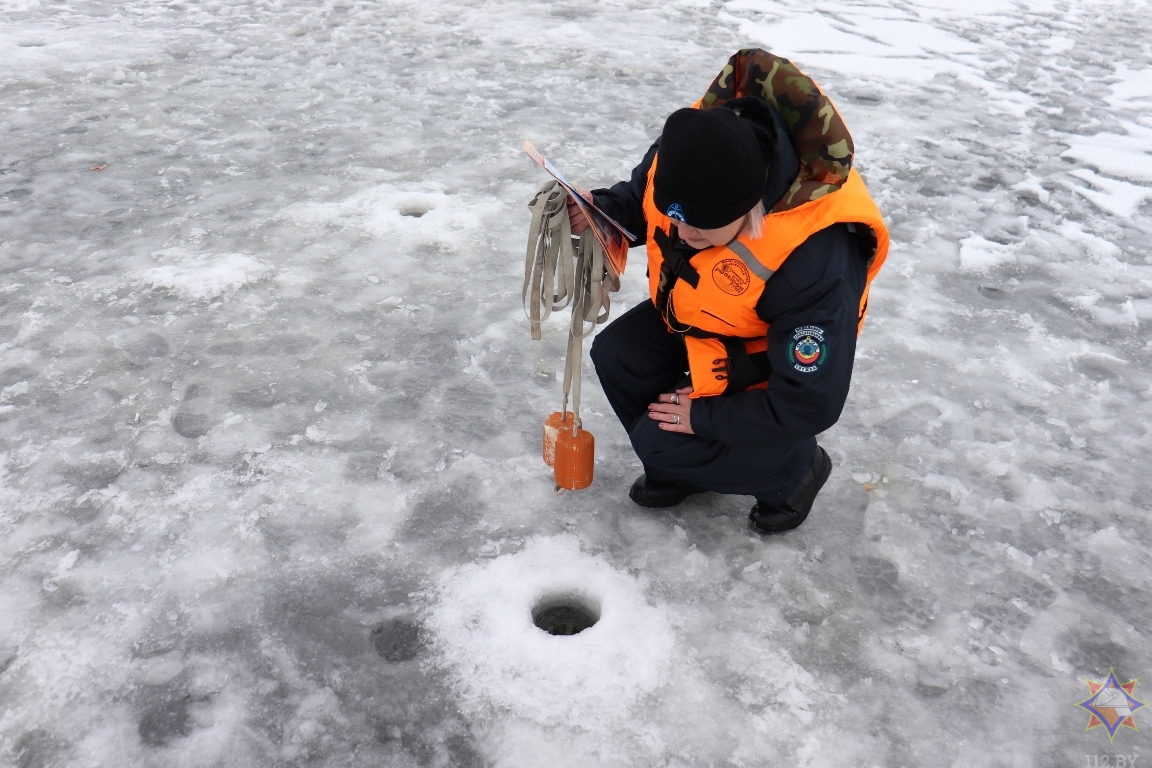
(413, 212)
(396, 640)
(565, 615)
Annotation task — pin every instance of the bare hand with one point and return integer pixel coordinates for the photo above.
(579, 221)
(674, 412)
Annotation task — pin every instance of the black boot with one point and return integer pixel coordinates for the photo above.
(784, 517)
(660, 493)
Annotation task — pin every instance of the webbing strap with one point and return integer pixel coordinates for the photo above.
(676, 263)
(549, 248)
(744, 368)
(555, 275)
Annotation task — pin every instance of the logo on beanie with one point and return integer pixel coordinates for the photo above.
(807, 351)
(731, 276)
(676, 212)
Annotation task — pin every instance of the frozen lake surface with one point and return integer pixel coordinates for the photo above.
(270, 478)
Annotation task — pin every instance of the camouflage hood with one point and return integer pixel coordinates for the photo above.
(817, 131)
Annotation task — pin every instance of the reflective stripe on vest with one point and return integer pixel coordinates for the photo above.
(750, 260)
(732, 277)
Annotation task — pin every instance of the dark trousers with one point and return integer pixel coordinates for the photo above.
(636, 359)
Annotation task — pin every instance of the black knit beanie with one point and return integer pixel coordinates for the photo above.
(710, 169)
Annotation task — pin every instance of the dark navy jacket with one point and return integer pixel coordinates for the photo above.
(820, 284)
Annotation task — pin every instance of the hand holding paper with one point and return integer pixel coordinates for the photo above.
(614, 239)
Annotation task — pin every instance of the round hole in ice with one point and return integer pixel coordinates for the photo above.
(482, 631)
(397, 639)
(413, 211)
(564, 614)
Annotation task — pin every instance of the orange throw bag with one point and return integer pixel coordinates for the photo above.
(575, 457)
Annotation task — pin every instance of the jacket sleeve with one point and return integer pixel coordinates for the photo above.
(624, 201)
(815, 293)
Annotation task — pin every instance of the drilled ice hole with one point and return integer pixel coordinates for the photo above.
(565, 614)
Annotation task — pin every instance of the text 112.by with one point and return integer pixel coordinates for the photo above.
(1110, 761)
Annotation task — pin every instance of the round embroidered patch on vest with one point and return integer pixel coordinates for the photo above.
(807, 351)
(731, 276)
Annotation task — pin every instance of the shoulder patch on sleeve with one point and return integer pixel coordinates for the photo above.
(807, 350)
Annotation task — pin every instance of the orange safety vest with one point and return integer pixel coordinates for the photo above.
(718, 316)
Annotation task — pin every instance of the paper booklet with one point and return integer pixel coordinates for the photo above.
(614, 239)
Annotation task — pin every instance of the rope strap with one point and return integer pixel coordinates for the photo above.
(556, 275)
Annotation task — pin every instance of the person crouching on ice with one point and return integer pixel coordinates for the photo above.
(762, 242)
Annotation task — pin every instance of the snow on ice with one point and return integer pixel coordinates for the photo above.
(479, 625)
(270, 482)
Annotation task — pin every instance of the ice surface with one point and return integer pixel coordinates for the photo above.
(271, 417)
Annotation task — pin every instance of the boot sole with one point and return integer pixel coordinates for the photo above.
(664, 505)
(780, 528)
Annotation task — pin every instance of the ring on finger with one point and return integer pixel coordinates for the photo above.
(675, 399)
(677, 416)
